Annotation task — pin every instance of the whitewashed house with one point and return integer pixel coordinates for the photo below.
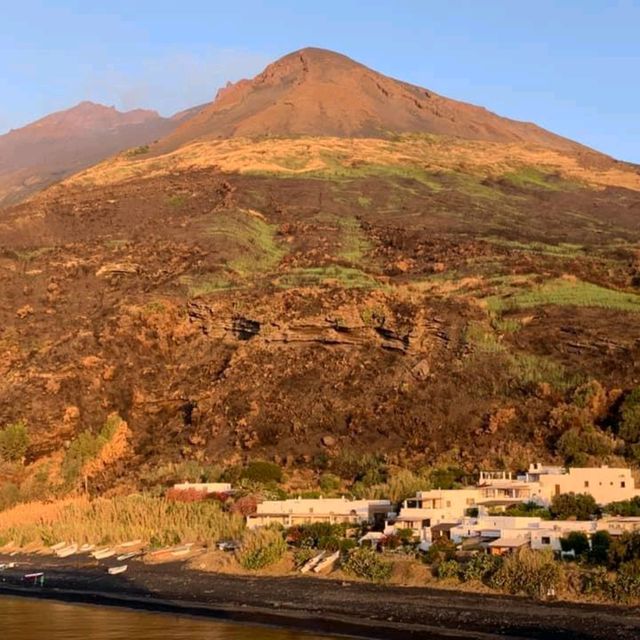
(312, 510)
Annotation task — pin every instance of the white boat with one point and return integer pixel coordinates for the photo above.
(65, 552)
(127, 556)
(101, 554)
(131, 543)
(85, 548)
(327, 563)
(181, 551)
(57, 547)
(114, 571)
(310, 564)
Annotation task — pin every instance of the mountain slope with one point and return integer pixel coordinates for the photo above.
(308, 300)
(65, 142)
(322, 93)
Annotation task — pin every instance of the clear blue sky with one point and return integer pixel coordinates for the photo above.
(572, 66)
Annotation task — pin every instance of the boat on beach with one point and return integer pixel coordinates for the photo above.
(114, 571)
(65, 552)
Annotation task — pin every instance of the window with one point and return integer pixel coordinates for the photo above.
(586, 484)
(623, 484)
(545, 540)
(470, 501)
(448, 503)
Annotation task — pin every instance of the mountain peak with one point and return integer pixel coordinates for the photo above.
(318, 92)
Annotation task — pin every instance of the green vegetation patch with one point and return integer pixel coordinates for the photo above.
(206, 284)
(574, 293)
(562, 249)
(251, 240)
(346, 277)
(137, 151)
(534, 178)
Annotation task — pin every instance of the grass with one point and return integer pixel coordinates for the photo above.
(347, 277)
(156, 521)
(137, 151)
(562, 249)
(176, 200)
(533, 178)
(202, 285)
(354, 245)
(530, 369)
(254, 241)
(563, 292)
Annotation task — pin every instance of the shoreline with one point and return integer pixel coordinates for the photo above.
(317, 606)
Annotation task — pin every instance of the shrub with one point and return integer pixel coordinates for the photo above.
(581, 506)
(9, 495)
(626, 586)
(261, 548)
(262, 472)
(576, 445)
(576, 541)
(85, 448)
(480, 567)
(447, 478)
(366, 563)
(441, 549)
(629, 429)
(600, 544)
(245, 505)
(329, 482)
(14, 441)
(629, 508)
(532, 573)
(448, 569)
(319, 535)
(595, 581)
(528, 509)
(302, 556)
(357, 467)
(625, 548)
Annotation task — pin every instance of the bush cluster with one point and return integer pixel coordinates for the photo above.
(532, 573)
(261, 548)
(366, 563)
(14, 442)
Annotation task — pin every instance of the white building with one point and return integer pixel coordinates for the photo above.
(429, 508)
(498, 490)
(500, 534)
(205, 487)
(605, 484)
(312, 510)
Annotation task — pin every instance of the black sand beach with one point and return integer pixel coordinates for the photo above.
(321, 606)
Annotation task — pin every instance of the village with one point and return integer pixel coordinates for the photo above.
(503, 512)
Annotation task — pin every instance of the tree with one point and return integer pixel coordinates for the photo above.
(569, 506)
(262, 472)
(630, 417)
(625, 548)
(600, 544)
(576, 541)
(14, 441)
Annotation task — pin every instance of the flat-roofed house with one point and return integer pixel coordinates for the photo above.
(436, 506)
(311, 510)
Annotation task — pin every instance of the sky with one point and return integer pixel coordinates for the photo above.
(571, 66)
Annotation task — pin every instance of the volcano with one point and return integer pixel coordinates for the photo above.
(315, 92)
